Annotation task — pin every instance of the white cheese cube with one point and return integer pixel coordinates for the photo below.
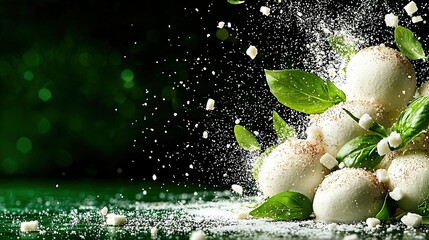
(205, 134)
(394, 139)
(411, 8)
(383, 147)
(417, 19)
(372, 222)
(115, 219)
(197, 235)
(252, 51)
(104, 211)
(243, 215)
(382, 175)
(220, 24)
(237, 188)
(265, 10)
(412, 220)
(154, 232)
(328, 161)
(210, 104)
(396, 194)
(366, 121)
(30, 226)
(391, 20)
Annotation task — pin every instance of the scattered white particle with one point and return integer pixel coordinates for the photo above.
(265, 10)
(391, 20)
(115, 219)
(205, 134)
(191, 166)
(256, 133)
(341, 165)
(383, 147)
(382, 175)
(154, 177)
(197, 10)
(243, 215)
(56, 185)
(153, 232)
(221, 24)
(210, 105)
(332, 72)
(197, 235)
(412, 220)
(228, 25)
(372, 222)
(237, 189)
(104, 211)
(30, 226)
(351, 237)
(416, 19)
(411, 8)
(394, 139)
(328, 161)
(366, 121)
(396, 194)
(252, 51)
(299, 14)
(213, 73)
(208, 35)
(237, 121)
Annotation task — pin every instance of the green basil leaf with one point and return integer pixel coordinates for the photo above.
(282, 129)
(303, 91)
(246, 139)
(360, 152)
(425, 220)
(423, 208)
(376, 127)
(284, 206)
(343, 46)
(388, 209)
(235, 2)
(408, 44)
(413, 120)
(260, 160)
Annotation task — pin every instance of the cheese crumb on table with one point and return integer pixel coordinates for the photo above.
(372, 222)
(30, 226)
(411, 8)
(221, 24)
(104, 211)
(252, 51)
(394, 139)
(396, 194)
(265, 10)
(416, 19)
(412, 220)
(210, 104)
(391, 20)
(382, 175)
(197, 235)
(366, 121)
(328, 161)
(205, 134)
(383, 147)
(115, 219)
(237, 188)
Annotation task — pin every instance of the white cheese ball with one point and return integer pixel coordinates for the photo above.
(292, 166)
(337, 127)
(410, 174)
(348, 195)
(381, 74)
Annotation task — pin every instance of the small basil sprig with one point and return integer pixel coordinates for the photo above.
(303, 91)
(360, 152)
(284, 206)
(260, 160)
(282, 129)
(387, 211)
(413, 120)
(376, 127)
(423, 208)
(246, 139)
(235, 2)
(343, 46)
(408, 44)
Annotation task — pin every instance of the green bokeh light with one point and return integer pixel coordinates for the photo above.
(43, 125)
(222, 34)
(9, 165)
(45, 94)
(127, 75)
(31, 58)
(24, 145)
(28, 75)
(85, 59)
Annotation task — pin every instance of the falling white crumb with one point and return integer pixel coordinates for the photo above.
(383, 147)
(104, 211)
(396, 194)
(391, 20)
(373, 222)
(265, 10)
(237, 189)
(252, 51)
(197, 235)
(30, 226)
(154, 231)
(366, 121)
(210, 105)
(115, 219)
(411, 8)
(394, 139)
(328, 161)
(220, 24)
(416, 19)
(205, 134)
(382, 175)
(412, 220)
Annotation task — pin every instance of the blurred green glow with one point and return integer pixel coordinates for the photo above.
(31, 58)
(43, 125)
(45, 94)
(115, 59)
(63, 159)
(85, 59)
(9, 165)
(222, 34)
(128, 84)
(127, 75)
(24, 145)
(28, 75)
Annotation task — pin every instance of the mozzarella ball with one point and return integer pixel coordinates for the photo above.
(381, 74)
(348, 195)
(423, 90)
(337, 127)
(292, 166)
(410, 174)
